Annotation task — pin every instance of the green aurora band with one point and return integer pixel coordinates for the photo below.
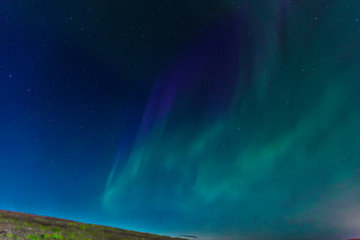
(254, 131)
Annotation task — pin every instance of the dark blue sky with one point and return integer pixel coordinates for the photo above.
(221, 119)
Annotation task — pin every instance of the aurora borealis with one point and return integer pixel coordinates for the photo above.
(220, 119)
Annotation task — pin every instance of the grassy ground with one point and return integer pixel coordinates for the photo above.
(21, 226)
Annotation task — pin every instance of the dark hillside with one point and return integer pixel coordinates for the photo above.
(14, 225)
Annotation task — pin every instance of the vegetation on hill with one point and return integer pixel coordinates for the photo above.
(21, 226)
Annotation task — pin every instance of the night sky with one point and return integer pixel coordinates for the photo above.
(222, 119)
